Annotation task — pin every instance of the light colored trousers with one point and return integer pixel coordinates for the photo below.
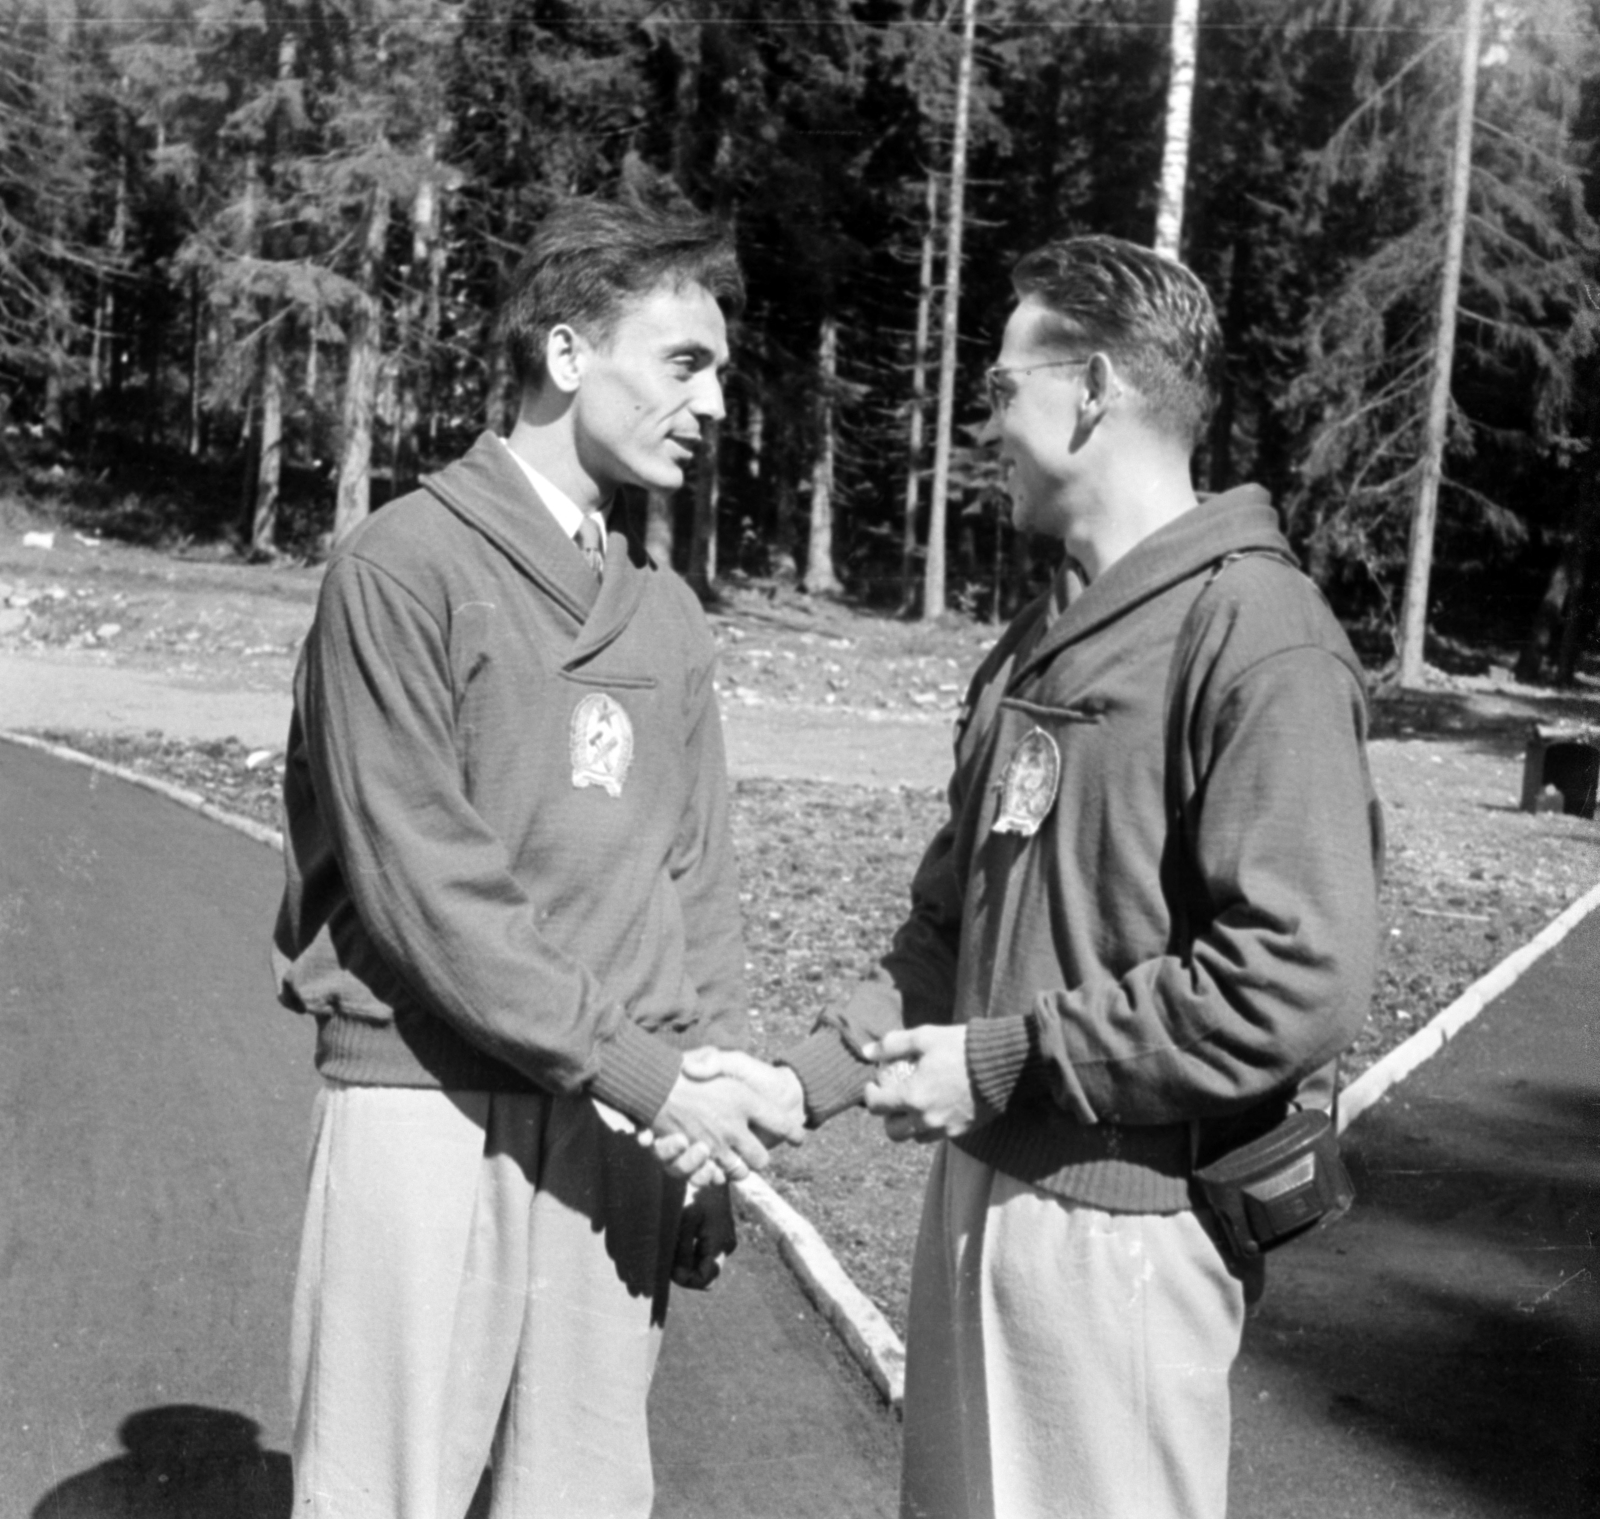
(1062, 1361)
(483, 1280)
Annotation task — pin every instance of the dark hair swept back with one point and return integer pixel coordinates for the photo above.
(590, 257)
(1151, 315)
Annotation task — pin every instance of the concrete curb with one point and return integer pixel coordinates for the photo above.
(853, 1315)
(190, 799)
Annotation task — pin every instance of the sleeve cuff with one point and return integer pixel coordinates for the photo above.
(637, 1072)
(998, 1050)
(832, 1076)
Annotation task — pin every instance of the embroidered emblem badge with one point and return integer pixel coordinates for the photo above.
(1028, 784)
(601, 743)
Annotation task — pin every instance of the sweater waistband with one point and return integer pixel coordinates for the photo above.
(1119, 1170)
(421, 1051)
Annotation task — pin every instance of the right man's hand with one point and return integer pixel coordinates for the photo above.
(724, 1110)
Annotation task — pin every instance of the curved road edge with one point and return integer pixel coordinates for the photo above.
(865, 1332)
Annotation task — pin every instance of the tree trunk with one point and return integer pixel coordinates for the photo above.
(60, 22)
(269, 460)
(658, 534)
(820, 577)
(1558, 622)
(1219, 467)
(105, 359)
(195, 331)
(427, 273)
(919, 401)
(785, 510)
(501, 401)
(1577, 624)
(58, 359)
(1180, 104)
(353, 499)
(703, 529)
(755, 436)
(933, 563)
(264, 244)
(313, 359)
(1419, 565)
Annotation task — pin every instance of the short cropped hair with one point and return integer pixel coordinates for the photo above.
(591, 257)
(1148, 313)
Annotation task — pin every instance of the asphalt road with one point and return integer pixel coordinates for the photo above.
(1437, 1352)
(154, 1106)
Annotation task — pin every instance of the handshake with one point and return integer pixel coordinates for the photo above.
(728, 1107)
(722, 1114)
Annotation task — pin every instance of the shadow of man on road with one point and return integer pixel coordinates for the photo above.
(181, 1461)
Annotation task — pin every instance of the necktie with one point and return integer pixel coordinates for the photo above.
(588, 538)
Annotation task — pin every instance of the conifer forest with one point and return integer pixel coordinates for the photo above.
(250, 251)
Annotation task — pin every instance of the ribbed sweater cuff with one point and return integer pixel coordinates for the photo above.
(637, 1072)
(833, 1078)
(997, 1055)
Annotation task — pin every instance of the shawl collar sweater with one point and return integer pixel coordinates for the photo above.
(1168, 949)
(507, 851)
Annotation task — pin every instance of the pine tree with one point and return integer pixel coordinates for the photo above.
(51, 265)
(1378, 190)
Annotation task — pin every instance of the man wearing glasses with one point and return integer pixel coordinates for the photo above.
(1150, 916)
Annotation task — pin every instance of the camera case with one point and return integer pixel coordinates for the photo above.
(1280, 1185)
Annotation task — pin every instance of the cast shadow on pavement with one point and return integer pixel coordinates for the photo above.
(1446, 1336)
(181, 1461)
(184, 1461)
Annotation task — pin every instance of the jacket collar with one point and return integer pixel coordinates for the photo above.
(488, 490)
(1241, 520)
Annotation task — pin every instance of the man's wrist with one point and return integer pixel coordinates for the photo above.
(637, 1073)
(830, 1076)
(997, 1054)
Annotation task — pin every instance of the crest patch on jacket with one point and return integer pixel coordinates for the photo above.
(601, 742)
(1028, 784)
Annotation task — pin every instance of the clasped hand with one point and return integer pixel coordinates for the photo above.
(923, 1091)
(724, 1110)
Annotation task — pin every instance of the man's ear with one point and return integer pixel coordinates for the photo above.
(1100, 386)
(562, 354)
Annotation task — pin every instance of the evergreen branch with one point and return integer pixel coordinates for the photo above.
(1525, 144)
(1504, 523)
(1400, 383)
(1331, 149)
(1386, 447)
(1556, 244)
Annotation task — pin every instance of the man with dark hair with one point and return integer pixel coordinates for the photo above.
(510, 907)
(1150, 916)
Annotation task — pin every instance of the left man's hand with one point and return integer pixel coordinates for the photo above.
(931, 1100)
(706, 1234)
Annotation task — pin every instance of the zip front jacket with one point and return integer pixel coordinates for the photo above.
(1142, 941)
(507, 841)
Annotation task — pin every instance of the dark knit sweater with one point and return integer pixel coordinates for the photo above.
(460, 912)
(1125, 971)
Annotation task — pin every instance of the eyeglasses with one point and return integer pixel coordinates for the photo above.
(999, 387)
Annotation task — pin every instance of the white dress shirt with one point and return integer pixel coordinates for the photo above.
(563, 508)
